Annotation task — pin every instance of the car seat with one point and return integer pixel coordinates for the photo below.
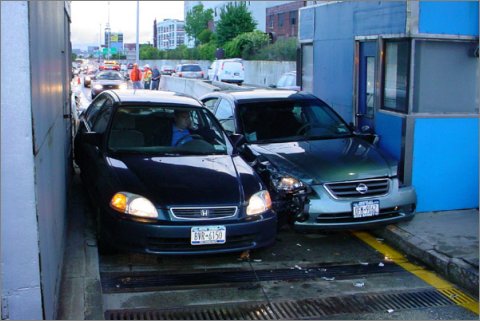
(124, 133)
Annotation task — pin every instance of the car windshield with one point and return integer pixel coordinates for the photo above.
(290, 120)
(191, 68)
(108, 75)
(166, 130)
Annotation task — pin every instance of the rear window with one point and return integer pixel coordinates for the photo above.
(191, 68)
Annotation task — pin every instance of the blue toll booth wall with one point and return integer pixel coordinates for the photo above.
(408, 69)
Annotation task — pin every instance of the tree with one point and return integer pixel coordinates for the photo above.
(246, 45)
(197, 21)
(234, 20)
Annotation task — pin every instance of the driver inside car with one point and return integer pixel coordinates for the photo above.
(181, 127)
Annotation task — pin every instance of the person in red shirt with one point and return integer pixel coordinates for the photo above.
(136, 77)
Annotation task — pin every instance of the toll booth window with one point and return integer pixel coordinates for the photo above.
(395, 83)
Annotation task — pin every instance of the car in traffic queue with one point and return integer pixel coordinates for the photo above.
(107, 79)
(321, 174)
(197, 196)
(87, 77)
(188, 71)
(110, 65)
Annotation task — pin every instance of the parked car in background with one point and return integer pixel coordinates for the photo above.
(287, 81)
(227, 70)
(188, 71)
(130, 65)
(321, 174)
(196, 196)
(105, 80)
(167, 70)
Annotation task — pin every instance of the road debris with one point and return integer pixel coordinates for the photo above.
(359, 284)
(381, 264)
(363, 263)
(328, 279)
(390, 310)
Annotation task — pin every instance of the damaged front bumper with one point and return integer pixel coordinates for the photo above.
(321, 211)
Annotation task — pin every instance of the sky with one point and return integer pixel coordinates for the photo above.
(88, 15)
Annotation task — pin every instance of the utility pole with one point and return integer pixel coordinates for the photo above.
(137, 50)
(107, 31)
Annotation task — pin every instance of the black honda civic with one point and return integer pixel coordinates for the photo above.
(165, 178)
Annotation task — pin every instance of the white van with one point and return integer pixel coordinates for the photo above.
(227, 70)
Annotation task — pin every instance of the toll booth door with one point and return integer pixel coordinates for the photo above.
(367, 72)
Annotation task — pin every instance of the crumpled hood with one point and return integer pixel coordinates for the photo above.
(329, 160)
(186, 181)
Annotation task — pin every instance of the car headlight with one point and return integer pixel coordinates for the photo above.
(133, 204)
(98, 86)
(287, 183)
(122, 86)
(258, 203)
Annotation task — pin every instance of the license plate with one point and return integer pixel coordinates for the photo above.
(366, 208)
(201, 235)
(236, 74)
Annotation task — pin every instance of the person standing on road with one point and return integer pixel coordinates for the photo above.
(147, 77)
(136, 77)
(155, 78)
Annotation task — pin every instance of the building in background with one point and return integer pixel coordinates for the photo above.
(282, 20)
(130, 51)
(170, 34)
(155, 42)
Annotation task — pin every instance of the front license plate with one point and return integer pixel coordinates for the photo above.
(366, 208)
(201, 235)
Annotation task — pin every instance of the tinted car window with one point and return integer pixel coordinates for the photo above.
(100, 121)
(147, 129)
(290, 121)
(93, 110)
(109, 75)
(224, 114)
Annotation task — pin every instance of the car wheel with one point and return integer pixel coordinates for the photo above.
(104, 247)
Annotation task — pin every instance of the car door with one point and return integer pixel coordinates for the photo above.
(91, 156)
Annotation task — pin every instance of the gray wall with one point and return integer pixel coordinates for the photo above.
(35, 155)
(261, 73)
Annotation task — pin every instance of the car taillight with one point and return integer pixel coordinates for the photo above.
(222, 65)
(179, 74)
(201, 73)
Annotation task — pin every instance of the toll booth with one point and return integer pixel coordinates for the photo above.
(407, 70)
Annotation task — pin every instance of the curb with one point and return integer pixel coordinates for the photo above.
(453, 269)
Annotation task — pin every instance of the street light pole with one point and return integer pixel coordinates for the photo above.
(137, 51)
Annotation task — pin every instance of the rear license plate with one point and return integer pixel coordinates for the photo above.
(366, 208)
(201, 235)
(236, 74)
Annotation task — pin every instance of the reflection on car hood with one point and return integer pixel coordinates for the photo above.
(319, 161)
(186, 181)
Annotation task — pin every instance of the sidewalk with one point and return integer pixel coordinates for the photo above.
(446, 242)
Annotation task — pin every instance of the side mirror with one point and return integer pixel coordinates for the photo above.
(237, 140)
(92, 138)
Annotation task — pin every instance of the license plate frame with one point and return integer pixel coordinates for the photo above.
(207, 235)
(366, 208)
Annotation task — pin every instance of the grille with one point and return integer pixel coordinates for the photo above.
(315, 308)
(374, 187)
(203, 213)
(157, 244)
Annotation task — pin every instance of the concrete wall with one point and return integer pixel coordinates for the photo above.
(259, 73)
(21, 290)
(35, 138)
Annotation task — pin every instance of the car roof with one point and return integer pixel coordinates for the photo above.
(254, 94)
(153, 96)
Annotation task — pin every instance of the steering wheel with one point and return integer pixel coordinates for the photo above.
(193, 136)
(303, 128)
